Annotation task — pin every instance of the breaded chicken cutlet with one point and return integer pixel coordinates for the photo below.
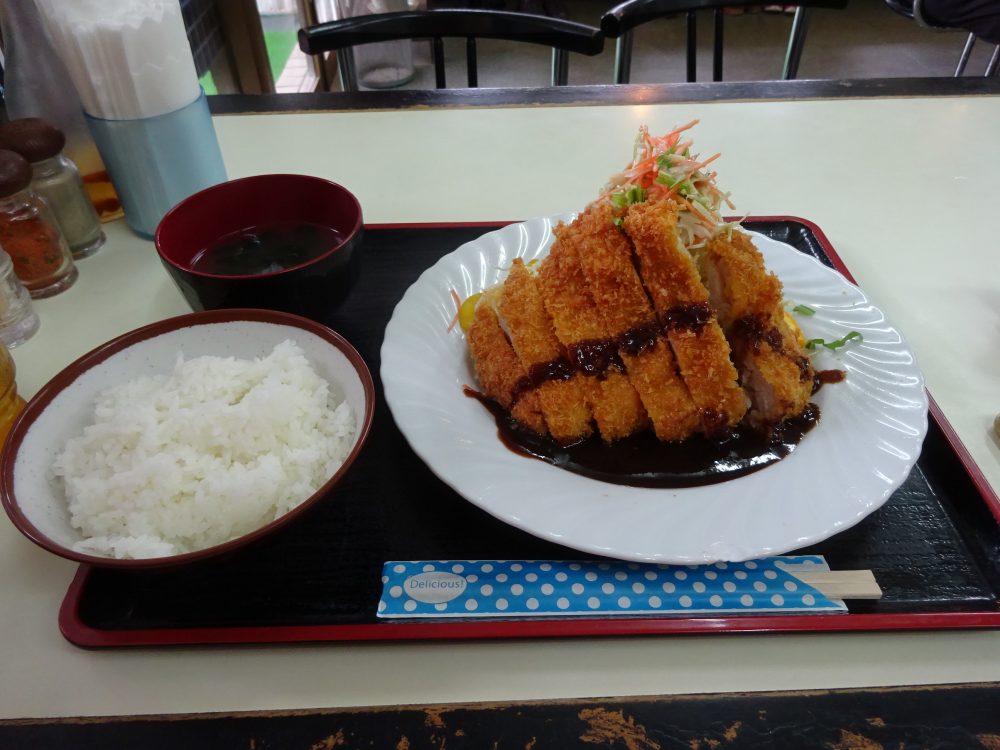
(500, 373)
(561, 390)
(606, 259)
(617, 408)
(650, 311)
(774, 370)
(682, 303)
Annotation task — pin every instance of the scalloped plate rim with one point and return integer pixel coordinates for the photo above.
(424, 295)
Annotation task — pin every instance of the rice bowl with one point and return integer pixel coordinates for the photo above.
(33, 491)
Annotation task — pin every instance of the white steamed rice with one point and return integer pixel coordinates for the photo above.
(216, 449)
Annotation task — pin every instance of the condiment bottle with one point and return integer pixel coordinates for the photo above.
(18, 321)
(36, 83)
(11, 404)
(56, 179)
(29, 234)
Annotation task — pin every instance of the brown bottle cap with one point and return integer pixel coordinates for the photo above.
(15, 173)
(32, 137)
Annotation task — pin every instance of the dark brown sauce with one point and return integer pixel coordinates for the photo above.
(805, 367)
(643, 461)
(752, 330)
(687, 317)
(557, 369)
(773, 338)
(596, 358)
(823, 377)
(640, 338)
(713, 422)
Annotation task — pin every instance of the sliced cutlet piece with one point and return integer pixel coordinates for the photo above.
(775, 371)
(616, 406)
(606, 258)
(560, 390)
(681, 300)
(500, 373)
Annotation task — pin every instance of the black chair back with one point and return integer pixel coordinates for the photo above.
(619, 22)
(563, 36)
(908, 9)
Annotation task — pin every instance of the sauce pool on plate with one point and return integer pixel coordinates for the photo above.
(640, 460)
(259, 250)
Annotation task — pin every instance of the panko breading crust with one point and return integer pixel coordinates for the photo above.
(671, 278)
(606, 258)
(615, 404)
(621, 327)
(774, 369)
(563, 402)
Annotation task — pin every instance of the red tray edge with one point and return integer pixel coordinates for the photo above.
(76, 632)
(80, 634)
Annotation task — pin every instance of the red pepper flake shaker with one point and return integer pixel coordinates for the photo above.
(57, 180)
(29, 233)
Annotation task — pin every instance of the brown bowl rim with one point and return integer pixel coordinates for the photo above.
(222, 186)
(68, 375)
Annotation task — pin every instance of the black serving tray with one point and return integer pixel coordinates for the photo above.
(934, 547)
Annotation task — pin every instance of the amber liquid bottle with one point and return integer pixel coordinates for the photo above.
(11, 404)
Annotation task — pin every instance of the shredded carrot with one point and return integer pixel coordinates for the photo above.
(659, 160)
(697, 166)
(458, 308)
(697, 214)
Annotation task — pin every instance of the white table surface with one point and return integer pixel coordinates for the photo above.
(905, 189)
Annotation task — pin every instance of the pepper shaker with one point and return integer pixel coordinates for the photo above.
(29, 234)
(57, 180)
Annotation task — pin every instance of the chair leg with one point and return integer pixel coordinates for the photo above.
(717, 46)
(439, 78)
(560, 67)
(692, 47)
(623, 58)
(345, 67)
(796, 41)
(970, 42)
(471, 63)
(991, 69)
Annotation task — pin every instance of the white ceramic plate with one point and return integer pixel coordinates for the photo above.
(867, 440)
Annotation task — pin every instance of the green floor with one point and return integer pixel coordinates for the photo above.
(279, 48)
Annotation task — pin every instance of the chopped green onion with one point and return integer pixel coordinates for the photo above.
(804, 310)
(635, 194)
(687, 187)
(813, 343)
(631, 194)
(616, 220)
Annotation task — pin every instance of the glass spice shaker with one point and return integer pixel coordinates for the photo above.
(57, 180)
(18, 320)
(11, 404)
(36, 83)
(29, 233)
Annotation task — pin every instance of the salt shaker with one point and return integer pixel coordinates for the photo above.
(29, 234)
(57, 180)
(18, 320)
